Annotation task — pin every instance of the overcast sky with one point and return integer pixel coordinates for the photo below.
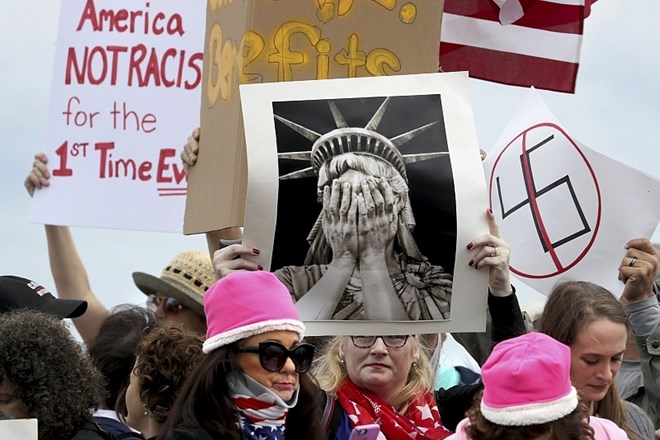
(614, 111)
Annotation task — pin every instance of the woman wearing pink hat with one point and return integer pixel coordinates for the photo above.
(528, 395)
(252, 383)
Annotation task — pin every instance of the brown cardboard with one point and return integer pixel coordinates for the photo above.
(250, 41)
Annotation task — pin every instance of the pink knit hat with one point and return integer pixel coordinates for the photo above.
(527, 381)
(245, 304)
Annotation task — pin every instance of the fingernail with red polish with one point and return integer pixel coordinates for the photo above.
(470, 246)
(471, 263)
(260, 268)
(256, 251)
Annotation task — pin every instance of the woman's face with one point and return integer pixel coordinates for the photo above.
(284, 382)
(596, 356)
(379, 369)
(134, 406)
(11, 406)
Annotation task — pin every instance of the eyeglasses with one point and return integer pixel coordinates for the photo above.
(390, 341)
(273, 355)
(170, 305)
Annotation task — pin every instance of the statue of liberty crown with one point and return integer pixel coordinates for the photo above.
(358, 140)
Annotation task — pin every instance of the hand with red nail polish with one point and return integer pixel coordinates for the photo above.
(491, 251)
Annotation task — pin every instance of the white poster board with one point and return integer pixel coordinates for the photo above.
(566, 210)
(125, 95)
(19, 429)
(433, 113)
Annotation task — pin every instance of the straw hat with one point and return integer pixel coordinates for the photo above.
(186, 278)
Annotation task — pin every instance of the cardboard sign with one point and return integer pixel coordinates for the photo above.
(566, 210)
(258, 41)
(397, 160)
(124, 96)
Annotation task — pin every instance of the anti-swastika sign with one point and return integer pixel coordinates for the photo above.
(527, 186)
(566, 210)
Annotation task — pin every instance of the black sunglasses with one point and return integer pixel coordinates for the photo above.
(273, 355)
(170, 305)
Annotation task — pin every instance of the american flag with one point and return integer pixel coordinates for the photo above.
(515, 42)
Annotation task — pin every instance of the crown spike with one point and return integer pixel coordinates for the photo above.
(405, 137)
(412, 158)
(296, 155)
(309, 134)
(340, 122)
(375, 119)
(305, 172)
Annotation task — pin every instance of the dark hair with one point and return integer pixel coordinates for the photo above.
(165, 359)
(573, 426)
(205, 402)
(52, 376)
(573, 305)
(113, 350)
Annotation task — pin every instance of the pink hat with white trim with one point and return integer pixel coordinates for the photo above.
(527, 381)
(245, 304)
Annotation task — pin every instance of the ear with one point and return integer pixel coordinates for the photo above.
(415, 349)
(341, 349)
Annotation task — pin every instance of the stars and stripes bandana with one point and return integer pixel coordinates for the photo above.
(262, 413)
(421, 421)
(261, 420)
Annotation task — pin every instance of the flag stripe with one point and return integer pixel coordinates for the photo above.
(551, 16)
(541, 48)
(519, 40)
(520, 70)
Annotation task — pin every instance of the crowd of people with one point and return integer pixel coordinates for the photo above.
(219, 349)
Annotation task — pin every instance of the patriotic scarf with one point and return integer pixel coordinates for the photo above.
(421, 421)
(262, 413)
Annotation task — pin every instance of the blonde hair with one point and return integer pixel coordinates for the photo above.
(330, 371)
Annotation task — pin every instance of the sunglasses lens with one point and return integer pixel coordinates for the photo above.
(171, 305)
(302, 357)
(272, 356)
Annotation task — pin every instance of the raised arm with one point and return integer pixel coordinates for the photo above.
(188, 158)
(637, 271)
(505, 318)
(69, 274)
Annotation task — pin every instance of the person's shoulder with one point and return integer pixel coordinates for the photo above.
(460, 431)
(606, 429)
(86, 434)
(182, 433)
(639, 419)
(116, 428)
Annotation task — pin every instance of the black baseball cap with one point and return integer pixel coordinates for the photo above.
(21, 293)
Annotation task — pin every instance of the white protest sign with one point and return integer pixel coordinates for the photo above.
(23, 429)
(125, 95)
(305, 139)
(566, 210)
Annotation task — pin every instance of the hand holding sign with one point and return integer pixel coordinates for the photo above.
(638, 268)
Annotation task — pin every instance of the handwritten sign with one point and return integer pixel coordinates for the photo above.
(124, 97)
(566, 210)
(258, 41)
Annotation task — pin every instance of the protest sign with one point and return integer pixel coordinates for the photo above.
(125, 94)
(317, 147)
(24, 429)
(257, 41)
(566, 210)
